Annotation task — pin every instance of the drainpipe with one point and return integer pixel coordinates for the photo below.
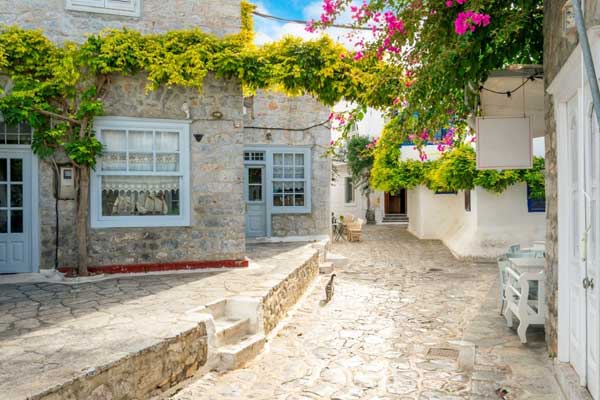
(587, 56)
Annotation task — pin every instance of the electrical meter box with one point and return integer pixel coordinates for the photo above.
(66, 183)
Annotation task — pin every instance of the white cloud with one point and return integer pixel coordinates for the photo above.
(269, 30)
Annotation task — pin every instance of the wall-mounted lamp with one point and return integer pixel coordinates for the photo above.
(217, 115)
(198, 137)
(268, 136)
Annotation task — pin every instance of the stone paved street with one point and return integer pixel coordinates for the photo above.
(397, 299)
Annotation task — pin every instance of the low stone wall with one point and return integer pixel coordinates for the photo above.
(140, 375)
(282, 297)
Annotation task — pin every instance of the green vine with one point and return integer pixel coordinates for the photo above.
(455, 170)
(59, 89)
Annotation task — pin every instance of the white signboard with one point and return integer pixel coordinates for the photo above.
(504, 143)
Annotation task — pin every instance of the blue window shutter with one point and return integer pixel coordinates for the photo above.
(535, 205)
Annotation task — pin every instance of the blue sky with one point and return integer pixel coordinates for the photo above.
(286, 9)
(269, 30)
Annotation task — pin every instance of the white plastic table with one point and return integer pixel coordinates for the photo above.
(521, 273)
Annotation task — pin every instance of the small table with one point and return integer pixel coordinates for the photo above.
(522, 273)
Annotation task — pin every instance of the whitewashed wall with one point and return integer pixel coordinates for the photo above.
(359, 207)
(494, 223)
(432, 216)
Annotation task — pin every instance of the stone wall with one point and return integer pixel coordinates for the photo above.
(141, 375)
(271, 110)
(282, 297)
(557, 50)
(217, 202)
(217, 228)
(219, 17)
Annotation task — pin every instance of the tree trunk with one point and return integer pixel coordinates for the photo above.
(83, 205)
(370, 214)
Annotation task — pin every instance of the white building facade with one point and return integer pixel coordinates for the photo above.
(578, 230)
(476, 224)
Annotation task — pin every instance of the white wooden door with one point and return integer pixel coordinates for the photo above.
(577, 306)
(256, 205)
(15, 211)
(591, 253)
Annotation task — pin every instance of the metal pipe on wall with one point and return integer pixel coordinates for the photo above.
(588, 60)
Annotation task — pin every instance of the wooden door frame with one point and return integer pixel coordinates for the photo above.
(403, 197)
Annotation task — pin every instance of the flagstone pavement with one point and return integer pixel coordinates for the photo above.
(398, 299)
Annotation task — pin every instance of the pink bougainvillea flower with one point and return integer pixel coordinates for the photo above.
(310, 26)
(422, 156)
(358, 56)
(449, 3)
(473, 139)
(332, 143)
(469, 21)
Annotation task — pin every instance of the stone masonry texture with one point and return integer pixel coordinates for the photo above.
(217, 229)
(219, 17)
(275, 110)
(557, 50)
(282, 297)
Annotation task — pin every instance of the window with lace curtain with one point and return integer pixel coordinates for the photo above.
(142, 178)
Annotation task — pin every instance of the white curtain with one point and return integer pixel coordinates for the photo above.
(140, 184)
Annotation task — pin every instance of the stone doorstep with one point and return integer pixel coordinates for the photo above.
(338, 261)
(326, 268)
(236, 355)
(568, 381)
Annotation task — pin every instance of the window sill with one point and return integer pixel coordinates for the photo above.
(105, 11)
(138, 222)
(290, 210)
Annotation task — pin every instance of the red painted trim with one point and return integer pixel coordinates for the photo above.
(157, 267)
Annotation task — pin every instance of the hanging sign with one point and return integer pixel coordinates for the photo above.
(504, 143)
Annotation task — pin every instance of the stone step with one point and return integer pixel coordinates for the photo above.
(217, 309)
(326, 267)
(230, 331)
(338, 261)
(395, 218)
(234, 356)
(403, 225)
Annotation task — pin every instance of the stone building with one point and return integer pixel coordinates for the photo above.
(181, 172)
(573, 200)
